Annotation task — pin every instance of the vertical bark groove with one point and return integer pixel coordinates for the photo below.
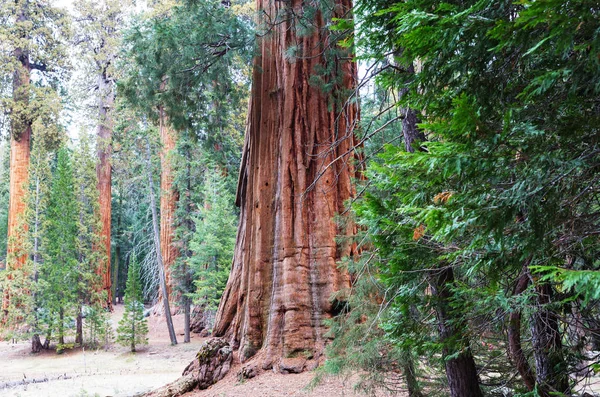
(20, 151)
(168, 199)
(104, 174)
(285, 263)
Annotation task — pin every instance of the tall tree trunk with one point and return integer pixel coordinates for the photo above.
(168, 200)
(161, 270)
(550, 366)
(19, 161)
(460, 370)
(104, 173)
(285, 263)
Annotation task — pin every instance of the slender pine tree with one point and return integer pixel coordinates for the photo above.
(133, 327)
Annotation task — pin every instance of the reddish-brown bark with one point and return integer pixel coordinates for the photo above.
(20, 151)
(285, 266)
(104, 174)
(168, 199)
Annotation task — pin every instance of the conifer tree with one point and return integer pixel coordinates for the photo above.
(33, 35)
(133, 327)
(98, 36)
(4, 158)
(213, 242)
(59, 271)
(24, 316)
(89, 259)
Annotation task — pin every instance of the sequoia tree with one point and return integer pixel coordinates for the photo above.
(98, 39)
(296, 173)
(32, 34)
(168, 198)
(184, 57)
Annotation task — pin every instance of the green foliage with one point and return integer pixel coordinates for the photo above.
(133, 327)
(38, 31)
(4, 185)
(189, 59)
(98, 328)
(213, 241)
(58, 277)
(507, 95)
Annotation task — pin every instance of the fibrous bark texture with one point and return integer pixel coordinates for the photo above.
(211, 364)
(168, 199)
(20, 152)
(104, 174)
(296, 173)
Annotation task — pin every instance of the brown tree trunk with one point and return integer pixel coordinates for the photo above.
(168, 200)
(161, 269)
(460, 370)
(79, 327)
(104, 174)
(285, 267)
(19, 162)
(550, 366)
(514, 334)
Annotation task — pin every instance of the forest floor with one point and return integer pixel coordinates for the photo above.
(117, 372)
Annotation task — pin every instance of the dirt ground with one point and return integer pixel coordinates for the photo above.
(117, 372)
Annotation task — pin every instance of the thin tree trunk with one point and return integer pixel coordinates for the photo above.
(161, 270)
(104, 174)
(61, 327)
(514, 334)
(186, 319)
(296, 173)
(550, 366)
(79, 327)
(412, 384)
(460, 370)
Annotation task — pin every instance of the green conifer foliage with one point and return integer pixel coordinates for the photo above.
(213, 242)
(133, 327)
(58, 273)
(506, 184)
(4, 166)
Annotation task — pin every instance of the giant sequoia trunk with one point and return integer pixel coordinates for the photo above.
(19, 163)
(103, 171)
(168, 200)
(296, 173)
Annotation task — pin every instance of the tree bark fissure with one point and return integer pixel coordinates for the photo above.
(168, 200)
(285, 263)
(20, 152)
(104, 174)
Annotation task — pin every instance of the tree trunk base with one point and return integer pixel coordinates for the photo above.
(36, 344)
(212, 363)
